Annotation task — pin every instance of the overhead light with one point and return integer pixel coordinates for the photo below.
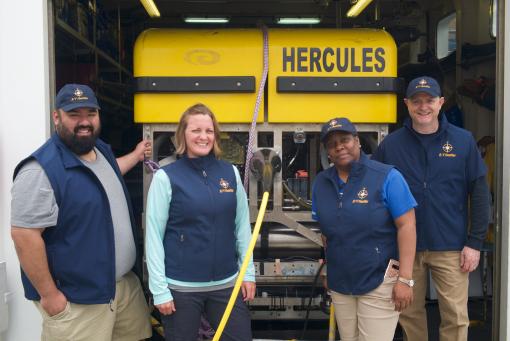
(357, 8)
(206, 20)
(298, 21)
(151, 8)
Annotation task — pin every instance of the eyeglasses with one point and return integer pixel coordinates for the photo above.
(341, 140)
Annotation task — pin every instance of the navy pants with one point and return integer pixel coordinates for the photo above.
(183, 324)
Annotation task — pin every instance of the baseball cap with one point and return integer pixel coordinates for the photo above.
(72, 96)
(423, 84)
(337, 124)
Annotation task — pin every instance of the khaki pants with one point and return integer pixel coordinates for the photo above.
(452, 294)
(369, 317)
(127, 318)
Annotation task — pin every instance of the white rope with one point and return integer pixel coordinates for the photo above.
(251, 136)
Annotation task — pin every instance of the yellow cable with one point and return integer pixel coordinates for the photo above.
(157, 326)
(332, 323)
(244, 266)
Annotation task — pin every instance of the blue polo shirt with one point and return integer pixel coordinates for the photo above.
(395, 193)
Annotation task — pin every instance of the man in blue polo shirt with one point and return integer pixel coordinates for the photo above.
(446, 174)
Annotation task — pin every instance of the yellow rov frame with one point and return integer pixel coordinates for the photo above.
(175, 69)
(313, 75)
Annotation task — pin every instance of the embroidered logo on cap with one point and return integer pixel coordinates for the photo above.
(78, 95)
(334, 124)
(423, 84)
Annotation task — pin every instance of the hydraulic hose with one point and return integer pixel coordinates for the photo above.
(308, 307)
(157, 327)
(300, 201)
(244, 266)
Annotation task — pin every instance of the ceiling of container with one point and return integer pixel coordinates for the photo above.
(250, 13)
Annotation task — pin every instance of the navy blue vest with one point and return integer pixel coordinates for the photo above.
(200, 232)
(361, 235)
(81, 247)
(439, 175)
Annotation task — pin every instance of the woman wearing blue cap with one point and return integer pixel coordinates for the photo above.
(365, 212)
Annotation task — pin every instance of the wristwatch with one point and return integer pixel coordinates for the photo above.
(409, 282)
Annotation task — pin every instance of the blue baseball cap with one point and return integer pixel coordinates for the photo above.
(337, 124)
(423, 84)
(72, 96)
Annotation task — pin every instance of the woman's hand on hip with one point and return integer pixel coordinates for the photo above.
(248, 290)
(402, 296)
(167, 308)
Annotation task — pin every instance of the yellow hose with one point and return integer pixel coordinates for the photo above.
(332, 323)
(157, 326)
(244, 266)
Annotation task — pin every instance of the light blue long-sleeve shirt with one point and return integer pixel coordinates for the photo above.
(158, 203)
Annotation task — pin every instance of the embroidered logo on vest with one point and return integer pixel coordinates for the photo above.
(447, 150)
(225, 186)
(362, 195)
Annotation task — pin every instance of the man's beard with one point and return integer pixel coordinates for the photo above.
(80, 145)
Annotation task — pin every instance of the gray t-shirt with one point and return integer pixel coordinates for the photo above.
(34, 205)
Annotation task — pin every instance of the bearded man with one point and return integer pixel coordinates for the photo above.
(74, 231)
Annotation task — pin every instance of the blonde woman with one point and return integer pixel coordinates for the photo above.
(198, 231)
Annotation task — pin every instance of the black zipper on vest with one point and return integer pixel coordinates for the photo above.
(338, 193)
(204, 174)
(426, 175)
(112, 235)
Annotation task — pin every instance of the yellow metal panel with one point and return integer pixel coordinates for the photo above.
(186, 53)
(167, 108)
(350, 53)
